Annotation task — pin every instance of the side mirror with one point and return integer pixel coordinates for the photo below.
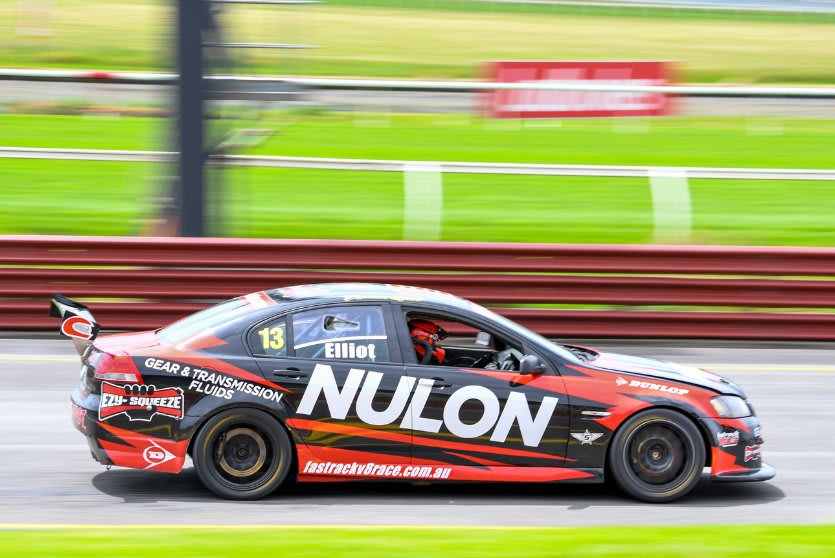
(531, 364)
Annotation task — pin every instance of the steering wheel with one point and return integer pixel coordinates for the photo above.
(483, 360)
(427, 350)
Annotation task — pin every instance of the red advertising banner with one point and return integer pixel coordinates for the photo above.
(567, 104)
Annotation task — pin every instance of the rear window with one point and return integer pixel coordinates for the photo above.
(203, 322)
(346, 333)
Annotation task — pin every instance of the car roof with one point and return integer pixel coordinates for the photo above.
(354, 292)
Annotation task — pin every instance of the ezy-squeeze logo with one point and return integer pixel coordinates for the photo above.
(140, 402)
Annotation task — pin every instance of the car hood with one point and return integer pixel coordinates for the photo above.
(666, 371)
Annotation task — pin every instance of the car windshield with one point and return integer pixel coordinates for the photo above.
(524, 332)
(203, 322)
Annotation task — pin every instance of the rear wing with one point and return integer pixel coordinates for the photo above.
(77, 321)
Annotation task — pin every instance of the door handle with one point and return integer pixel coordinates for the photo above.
(293, 373)
(440, 383)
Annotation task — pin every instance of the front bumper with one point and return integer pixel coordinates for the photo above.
(764, 473)
(736, 450)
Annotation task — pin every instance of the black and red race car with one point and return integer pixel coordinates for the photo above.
(338, 382)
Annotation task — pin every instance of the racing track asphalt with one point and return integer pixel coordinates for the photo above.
(47, 475)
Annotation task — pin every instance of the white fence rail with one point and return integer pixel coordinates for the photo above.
(393, 165)
(423, 214)
(150, 78)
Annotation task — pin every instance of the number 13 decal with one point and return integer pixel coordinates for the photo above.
(272, 337)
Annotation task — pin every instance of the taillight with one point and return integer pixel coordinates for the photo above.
(116, 368)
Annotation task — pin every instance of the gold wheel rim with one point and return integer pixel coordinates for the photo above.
(262, 453)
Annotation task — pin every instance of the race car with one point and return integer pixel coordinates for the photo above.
(338, 382)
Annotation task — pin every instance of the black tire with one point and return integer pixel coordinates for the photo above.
(657, 456)
(242, 454)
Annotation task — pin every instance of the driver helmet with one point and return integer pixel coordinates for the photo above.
(426, 338)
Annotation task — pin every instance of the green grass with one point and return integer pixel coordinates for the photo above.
(76, 197)
(729, 142)
(433, 38)
(763, 541)
(70, 197)
(679, 141)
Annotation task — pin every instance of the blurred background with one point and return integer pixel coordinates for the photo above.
(99, 76)
(646, 122)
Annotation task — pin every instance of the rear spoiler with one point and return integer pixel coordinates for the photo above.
(77, 321)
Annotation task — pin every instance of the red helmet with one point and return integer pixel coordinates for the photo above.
(426, 337)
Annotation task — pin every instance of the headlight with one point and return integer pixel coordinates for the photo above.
(731, 406)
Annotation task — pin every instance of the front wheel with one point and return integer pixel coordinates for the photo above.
(242, 454)
(657, 456)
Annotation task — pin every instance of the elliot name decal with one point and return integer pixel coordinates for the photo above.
(350, 351)
(361, 386)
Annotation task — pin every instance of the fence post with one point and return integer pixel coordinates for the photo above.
(672, 214)
(191, 95)
(423, 202)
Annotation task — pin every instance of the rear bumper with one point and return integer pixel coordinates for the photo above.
(84, 419)
(117, 445)
(764, 473)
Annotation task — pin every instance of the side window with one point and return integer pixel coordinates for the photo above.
(269, 339)
(441, 341)
(347, 333)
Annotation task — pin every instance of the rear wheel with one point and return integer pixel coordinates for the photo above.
(242, 454)
(657, 456)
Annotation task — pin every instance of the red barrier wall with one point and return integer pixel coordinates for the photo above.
(157, 280)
